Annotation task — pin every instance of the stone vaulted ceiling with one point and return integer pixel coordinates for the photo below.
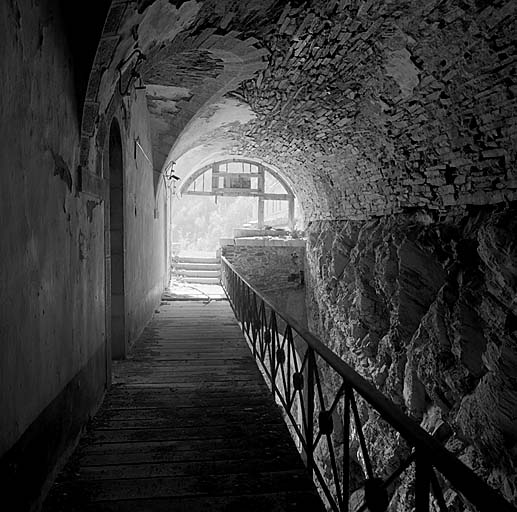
(368, 107)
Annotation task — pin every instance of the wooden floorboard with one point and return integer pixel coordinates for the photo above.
(279, 502)
(188, 425)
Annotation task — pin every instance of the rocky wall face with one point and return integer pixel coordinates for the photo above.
(427, 312)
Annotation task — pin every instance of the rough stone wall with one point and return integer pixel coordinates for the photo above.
(427, 312)
(373, 107)
(369, 107)
(273, 267)
(268, 267)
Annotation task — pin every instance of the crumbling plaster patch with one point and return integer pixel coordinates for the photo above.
(164, 21)
(210, 123)
(402, 70)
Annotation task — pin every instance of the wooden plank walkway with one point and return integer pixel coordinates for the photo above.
(189, 425)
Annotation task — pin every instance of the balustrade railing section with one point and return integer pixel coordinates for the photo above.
(324, 401)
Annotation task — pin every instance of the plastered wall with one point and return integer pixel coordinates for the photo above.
(54, 312)
(52, 274)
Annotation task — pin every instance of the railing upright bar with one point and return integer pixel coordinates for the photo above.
(346, 450)
(272, 353)
(360, 434)
(422, 483)
(335, 472)
(437, 492)
(266, 338)
(289, 366)
(309, 410)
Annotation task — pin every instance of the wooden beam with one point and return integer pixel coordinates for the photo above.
(239, 174)
(238, 192)
(261, 179)
(238, 160)
(216, 169)
(242, 191)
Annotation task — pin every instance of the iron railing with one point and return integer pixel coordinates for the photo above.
(294, 361)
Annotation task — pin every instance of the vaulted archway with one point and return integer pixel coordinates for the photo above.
(245, 178)
(394, 122)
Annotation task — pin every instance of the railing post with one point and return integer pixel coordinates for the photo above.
(346, 449)
(309, 411)
(422, 482)
(272, 348)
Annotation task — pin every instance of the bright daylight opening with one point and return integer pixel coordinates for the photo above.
(217, 206)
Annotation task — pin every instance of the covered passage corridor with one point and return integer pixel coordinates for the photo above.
(188, 425)
(393, 123)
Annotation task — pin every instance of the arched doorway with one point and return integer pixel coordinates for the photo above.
(116, 294)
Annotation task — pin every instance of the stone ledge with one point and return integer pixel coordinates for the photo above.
(263, 242)
(259, 242)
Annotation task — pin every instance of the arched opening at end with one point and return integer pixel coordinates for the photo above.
(254, 199)
(116, 243)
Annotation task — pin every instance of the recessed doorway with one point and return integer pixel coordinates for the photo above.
(116, 243)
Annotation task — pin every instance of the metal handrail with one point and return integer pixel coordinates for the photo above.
(269, 347)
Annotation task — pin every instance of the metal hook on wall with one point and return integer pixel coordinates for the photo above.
(134, 74)
(169, 172)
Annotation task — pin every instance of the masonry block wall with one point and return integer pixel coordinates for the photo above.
(370, 108)
(275, 267)
(375, 107)
(268, 264)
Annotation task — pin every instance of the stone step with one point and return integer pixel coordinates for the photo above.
(197, 266)
(188, 259)
(198, 273)
(202, 280)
